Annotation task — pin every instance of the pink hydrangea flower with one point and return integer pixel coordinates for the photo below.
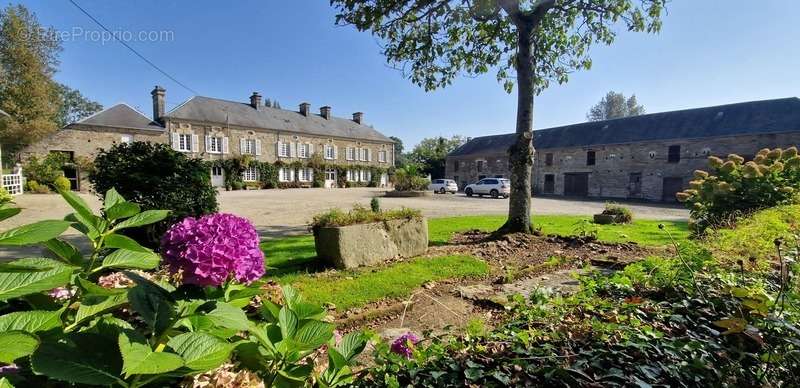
(213, 248)
(61, 293)
(404, 345)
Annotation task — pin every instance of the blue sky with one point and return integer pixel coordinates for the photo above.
(709, 52)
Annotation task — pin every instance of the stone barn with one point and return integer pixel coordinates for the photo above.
(649, 157)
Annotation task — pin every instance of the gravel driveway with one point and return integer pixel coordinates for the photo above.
(287, 212)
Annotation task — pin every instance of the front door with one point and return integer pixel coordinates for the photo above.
(672, 185)
(330, 179)
(635, 185)
(576, 184)
(217, 176)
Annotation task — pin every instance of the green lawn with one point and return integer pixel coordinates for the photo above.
(293, 260)
(644, 232)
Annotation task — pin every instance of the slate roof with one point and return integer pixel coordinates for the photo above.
(120, 116)
(208, 109)
(754, 117)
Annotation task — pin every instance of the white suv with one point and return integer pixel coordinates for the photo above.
(443, 186)
(496, 187)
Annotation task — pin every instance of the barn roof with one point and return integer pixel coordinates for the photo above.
(754, 117)
(120, 116)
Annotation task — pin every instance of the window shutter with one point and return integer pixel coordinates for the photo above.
(293, 150)
(224, 145)
(241, 146)
(369, 155)
(335, 152)
(195, 143)
(291, 175)
(310, 174)
(258, 146)
(278, 148)
(208, 141)
(175, 140)
(310, 149)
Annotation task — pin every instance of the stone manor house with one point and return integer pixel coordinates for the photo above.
(649, 157)
(211, 129)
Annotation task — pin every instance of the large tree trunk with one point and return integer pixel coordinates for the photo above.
(521, 153)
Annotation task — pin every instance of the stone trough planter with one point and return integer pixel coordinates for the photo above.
(606, 219)
(369, 244)
(408, 194)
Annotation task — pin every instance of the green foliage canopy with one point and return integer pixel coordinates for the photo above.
(614, 106)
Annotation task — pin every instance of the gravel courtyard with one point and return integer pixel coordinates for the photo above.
(282, 212)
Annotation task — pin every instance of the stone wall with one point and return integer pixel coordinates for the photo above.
(86, 141)
(617, 167)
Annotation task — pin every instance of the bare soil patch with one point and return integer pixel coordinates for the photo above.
(519, 264)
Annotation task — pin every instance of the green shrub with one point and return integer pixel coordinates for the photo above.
(237, 185)
(102, 320)
(5, 197)
(361, 215)
(36, 188)
(156, 177)
(375, 205)
(622, 214)
(409, 179)
(62, 184)
(734, 188)
(46, 170)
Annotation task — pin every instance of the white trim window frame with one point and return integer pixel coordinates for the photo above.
(303, 150)
(248, 147)
(250, 174)
(184, 142)
(362, 154)
(381, 156)
(285, 174)
(304, 175)
(214, 144)
(351, 153)
(284, 150)
(329, 152)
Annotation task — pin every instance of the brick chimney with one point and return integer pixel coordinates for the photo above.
(325, 112)
(255, 100)
(305, 108)
(159, 103)
(358, 117)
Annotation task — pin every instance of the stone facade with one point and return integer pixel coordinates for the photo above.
(671, 146)
(220, 140)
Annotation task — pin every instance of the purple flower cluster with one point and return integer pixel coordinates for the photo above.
(211, 249)
(404, 345)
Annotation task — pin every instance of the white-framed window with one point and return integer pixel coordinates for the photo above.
(126, 139)
(330, 153)
(285, 175)
(250, 174)
(216, 171)
(362, 154)
(305, 175)
(351, 153)
(366, 175)
(214, 144)
(248, 146)
(284, 149)
(330, 175)
(350, 176)
(185, 142)
(304, 150)
(382, 156)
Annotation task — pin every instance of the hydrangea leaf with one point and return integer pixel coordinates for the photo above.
(127, 259)
(15, 344)
(152, 302)
(146, 217)
(31, 321)
(139, 359)
(200, 351)
(9, 212)
(313, 334)
(27, 276)
(121, 241)
(92, 305)
(287, 320)
(34, 233)
(112, 198)
(81, 358)
(227, 316)
(122, 210)
(64, 251)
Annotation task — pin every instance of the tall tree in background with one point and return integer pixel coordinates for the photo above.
(614, 106)
(539, 41)
(74, 106)
(431, 152)
(28, 58)
(399, 157)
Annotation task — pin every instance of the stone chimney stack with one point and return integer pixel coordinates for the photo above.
(255, 100)
(305, 108)
(325, 112)
(159, 102)
(358, 117)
